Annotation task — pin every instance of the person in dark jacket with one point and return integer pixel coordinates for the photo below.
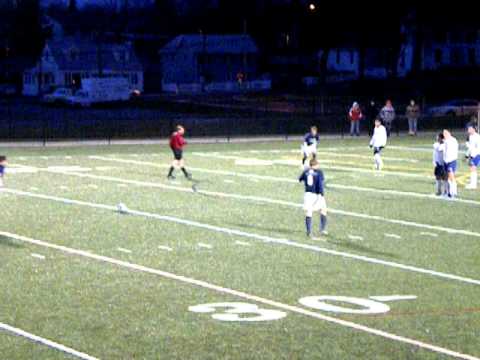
(413, 114)
(388, 115)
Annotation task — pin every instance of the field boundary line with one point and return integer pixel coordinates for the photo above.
(37, 339)
(263, 238)
(291, 181)
(240, 294)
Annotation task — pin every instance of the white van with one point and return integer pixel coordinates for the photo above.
(100, 90)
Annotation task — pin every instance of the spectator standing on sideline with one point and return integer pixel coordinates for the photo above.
(355, 115)
(413, 114)
(387, 114)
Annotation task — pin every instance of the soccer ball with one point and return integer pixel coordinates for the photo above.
(122, 208)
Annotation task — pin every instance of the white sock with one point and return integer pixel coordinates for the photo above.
(446, 187)
(452, 187)
(438, 186)
(473, 179)
(378, 161)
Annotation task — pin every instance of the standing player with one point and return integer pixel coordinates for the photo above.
(378, 142)
(440, 174)
(309, 147)
(450, 157)
(314, 197)
(177, 143)
(473, 146)
(3, 165)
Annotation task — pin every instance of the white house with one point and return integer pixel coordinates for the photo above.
(65, 62)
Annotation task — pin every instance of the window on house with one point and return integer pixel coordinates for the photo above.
(48, 79)
(68, 78)
(438, 56)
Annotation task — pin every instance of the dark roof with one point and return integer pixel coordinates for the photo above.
(75, 54)
(211, 44)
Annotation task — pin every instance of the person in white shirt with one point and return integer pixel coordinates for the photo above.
(439, 172)
(378, 142)
(473, 146)
(450, 157)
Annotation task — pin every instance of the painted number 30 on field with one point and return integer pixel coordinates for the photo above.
(246, 312)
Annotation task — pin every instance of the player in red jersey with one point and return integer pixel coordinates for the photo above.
(177, 143)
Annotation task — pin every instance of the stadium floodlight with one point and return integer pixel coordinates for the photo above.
(312, 7)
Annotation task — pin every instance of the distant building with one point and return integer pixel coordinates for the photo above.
(455, 49)
(65, 62)
(343, 63)
(196, 61)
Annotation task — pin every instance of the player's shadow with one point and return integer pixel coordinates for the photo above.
(358, 247)
(8, 242)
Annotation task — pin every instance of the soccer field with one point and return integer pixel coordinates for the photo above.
(398, 276)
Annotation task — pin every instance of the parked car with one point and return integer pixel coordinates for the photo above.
(59, 96)
(466, 107)
(7, 89)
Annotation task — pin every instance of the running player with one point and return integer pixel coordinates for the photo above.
(473, 146)
(3, 165)
(314, 199)
(177, 143)
(439, 172)
(378, 143)
(450, 157)
(309, 147)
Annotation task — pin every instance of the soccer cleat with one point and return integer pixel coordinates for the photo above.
(189, 176)
(324, 233)
(171, 177)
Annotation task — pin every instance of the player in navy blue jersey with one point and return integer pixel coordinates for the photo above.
(314, 199)
(3, 165)
(309, 146)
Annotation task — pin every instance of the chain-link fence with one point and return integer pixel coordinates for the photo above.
(209, 116)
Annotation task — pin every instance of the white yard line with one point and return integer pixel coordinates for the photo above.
(126, 251)
(355, 237)
(38, 256)
(49, 343)
(294, 181)
(243, 295)
(165, 248)
(264, 238)
(242, 243)
(393, 236)
(429, 234)
(205, 246)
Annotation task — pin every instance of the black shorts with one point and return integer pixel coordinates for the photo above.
(377, 150)
(177, 154)
(440, 172)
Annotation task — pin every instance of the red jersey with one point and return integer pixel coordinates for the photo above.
(355, 114)
(177, 141)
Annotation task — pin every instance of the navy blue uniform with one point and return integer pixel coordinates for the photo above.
(310, 139)
(313, 180)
